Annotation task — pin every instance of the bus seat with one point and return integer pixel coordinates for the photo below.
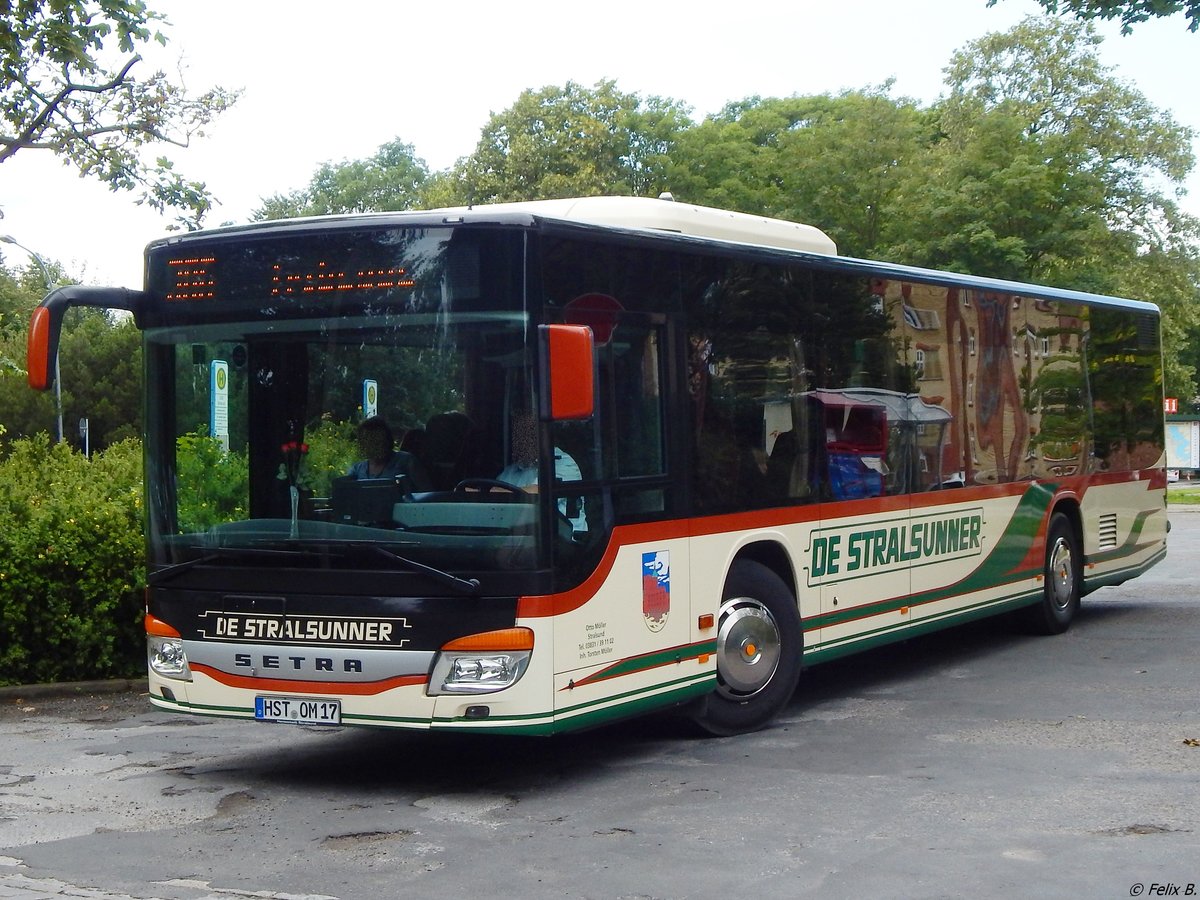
(447, 449)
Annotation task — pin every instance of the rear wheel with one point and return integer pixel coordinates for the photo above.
(1063, 580)
(759, 645)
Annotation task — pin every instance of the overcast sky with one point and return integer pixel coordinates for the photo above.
(330, 82)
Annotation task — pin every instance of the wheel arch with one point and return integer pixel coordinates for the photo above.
(1069, 507)
(774, 556)
(758, 624)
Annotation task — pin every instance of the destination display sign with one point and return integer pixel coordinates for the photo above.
(295, 269)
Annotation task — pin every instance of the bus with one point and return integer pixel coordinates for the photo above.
(741, 454)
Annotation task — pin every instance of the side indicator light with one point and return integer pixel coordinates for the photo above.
(503, 639)
(158, 627)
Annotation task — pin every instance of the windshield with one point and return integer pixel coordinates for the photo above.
(388, 430)
(385, 432)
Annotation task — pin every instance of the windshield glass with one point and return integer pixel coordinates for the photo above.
(369, 428)
(386, 430)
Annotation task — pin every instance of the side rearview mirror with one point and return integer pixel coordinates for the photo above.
(45, 324)
(569, 365)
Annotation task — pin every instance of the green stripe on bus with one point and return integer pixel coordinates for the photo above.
(646, 661)
(1001, 566)
(1131, 544)
(603, 709)
(903, 631)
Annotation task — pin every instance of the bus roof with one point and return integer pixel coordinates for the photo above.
(666, 215)
(667, 218)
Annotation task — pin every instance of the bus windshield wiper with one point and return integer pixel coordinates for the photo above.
(161, 576)
(461, 585)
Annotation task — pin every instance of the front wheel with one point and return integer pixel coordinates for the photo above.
(1063, 580)
(759, 646)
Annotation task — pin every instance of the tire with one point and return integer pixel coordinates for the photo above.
(1062, 587)
(759, 648)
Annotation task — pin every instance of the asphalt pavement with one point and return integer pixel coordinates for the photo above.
(976, 762)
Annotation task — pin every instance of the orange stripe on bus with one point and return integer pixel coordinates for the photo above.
(1069, 487)
(540, 606)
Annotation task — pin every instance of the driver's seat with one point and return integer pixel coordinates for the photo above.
(448, 448)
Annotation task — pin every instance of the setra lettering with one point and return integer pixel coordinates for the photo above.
(296, 663)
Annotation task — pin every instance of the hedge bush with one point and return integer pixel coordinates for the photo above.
(72, 550)
(71, 562)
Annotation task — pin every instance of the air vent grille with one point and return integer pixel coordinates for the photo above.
(1108, 531)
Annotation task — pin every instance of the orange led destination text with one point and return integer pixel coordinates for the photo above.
(193, 280)
(326, 280)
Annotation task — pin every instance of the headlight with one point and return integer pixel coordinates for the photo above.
(482, 663)
(167, 657)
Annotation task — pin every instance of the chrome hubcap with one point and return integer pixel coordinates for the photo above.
(1061, 574)
(748, 647)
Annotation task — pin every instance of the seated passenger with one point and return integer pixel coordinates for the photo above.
(381, 459)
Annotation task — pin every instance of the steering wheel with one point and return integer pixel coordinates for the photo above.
(486, 486)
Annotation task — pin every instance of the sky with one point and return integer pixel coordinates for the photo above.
(328, 82)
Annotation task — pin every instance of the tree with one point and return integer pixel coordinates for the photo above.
(100, 366)
(992, 203)
(572, 141)
(830, 161)
(1130, 12)
(20, 291)
(731, 159)
(1046, 168)
(70, 87)
(1046, 73)
(392, 179)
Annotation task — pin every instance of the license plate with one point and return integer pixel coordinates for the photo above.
(298, 710)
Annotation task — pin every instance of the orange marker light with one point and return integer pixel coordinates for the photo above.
(486, 641)
(158, 627)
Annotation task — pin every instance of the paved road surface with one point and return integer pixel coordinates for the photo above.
(974, 763)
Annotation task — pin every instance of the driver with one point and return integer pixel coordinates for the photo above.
(522, 468)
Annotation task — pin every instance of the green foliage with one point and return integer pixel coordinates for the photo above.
(1047, 168)
(101, 367)
(60, 93)
(987, 204)
(1130, 12)
(22, 411)
(793, 157)
(1045, 74)
(332, 449)
(71, 563)
(573, 141)
(20, 291)
(216, 482)
(557, 142)
(392, 179)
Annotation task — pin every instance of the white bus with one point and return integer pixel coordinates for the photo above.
(639, 455)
